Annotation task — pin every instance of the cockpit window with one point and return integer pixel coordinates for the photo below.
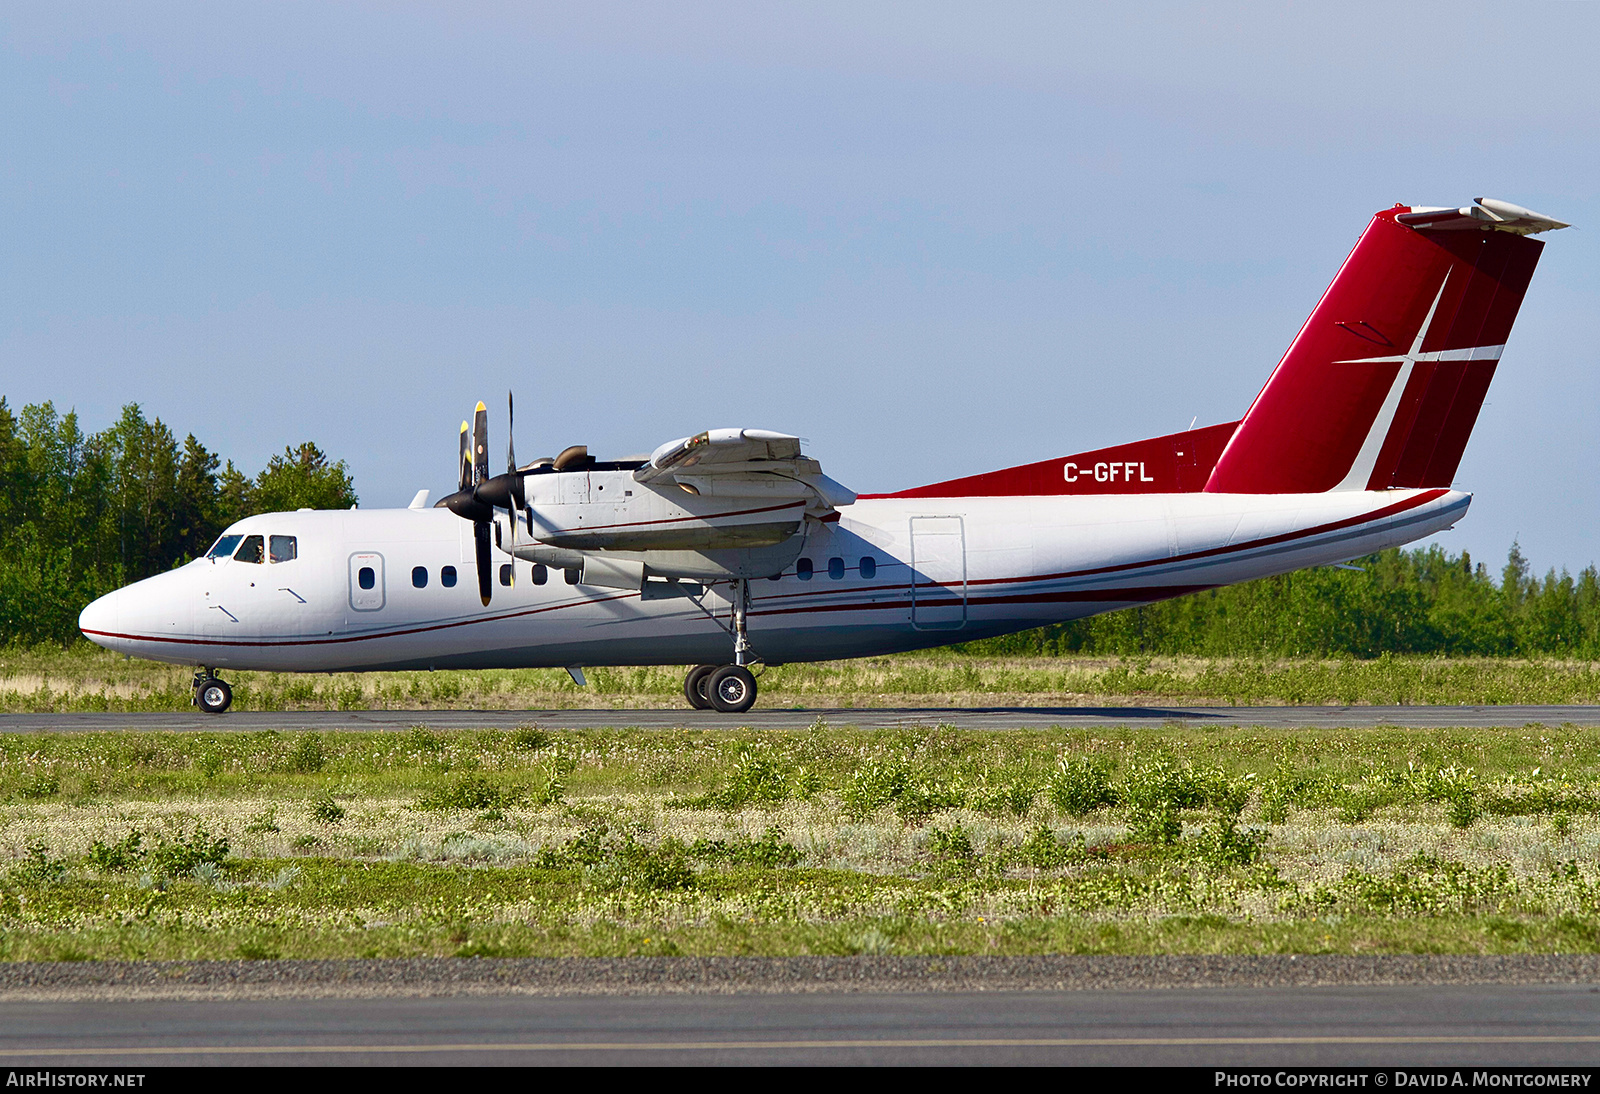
(223, 547)
(251, 550)
(282, 549)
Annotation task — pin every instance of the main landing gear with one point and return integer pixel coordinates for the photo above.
(211, 694)
(727, 689)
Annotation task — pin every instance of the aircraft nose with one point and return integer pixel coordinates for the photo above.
(99, 621)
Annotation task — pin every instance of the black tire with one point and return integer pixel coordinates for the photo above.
(213, 696)
(694, 686)
(732, 689)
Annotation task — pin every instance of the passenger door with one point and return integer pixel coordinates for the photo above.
(938, 573)
(366, 581)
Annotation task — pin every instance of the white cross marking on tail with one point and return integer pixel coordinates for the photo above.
(1367, 458)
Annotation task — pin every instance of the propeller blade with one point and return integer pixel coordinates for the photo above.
(466, 460)
(480, 444)
(480, 533)
(511, 434)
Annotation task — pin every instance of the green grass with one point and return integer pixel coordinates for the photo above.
(84, 678)
(830, 840)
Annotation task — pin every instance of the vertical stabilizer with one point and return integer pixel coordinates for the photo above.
(1383, 384)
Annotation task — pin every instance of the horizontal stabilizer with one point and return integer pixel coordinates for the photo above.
(1485, 213)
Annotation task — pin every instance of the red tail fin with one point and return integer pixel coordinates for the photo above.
(1383, 383)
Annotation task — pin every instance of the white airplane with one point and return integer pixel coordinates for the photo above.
(731, 548)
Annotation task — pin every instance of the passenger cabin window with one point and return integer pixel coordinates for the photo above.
(505, 573)
(447, 577)
(869, 567)
(540, 573)
(253, 549)
(836, 569)
(366, 577)
(282, 548)
(419, 576)
(224, 547)
(802, 569)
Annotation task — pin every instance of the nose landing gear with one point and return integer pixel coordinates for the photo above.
(727, 689)
(211, 694)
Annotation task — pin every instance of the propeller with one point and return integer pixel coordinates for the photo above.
(479, 495)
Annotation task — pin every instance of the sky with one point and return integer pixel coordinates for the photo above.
(933, 239)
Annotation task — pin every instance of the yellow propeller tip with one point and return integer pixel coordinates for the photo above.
(465, 427)
(481, 407)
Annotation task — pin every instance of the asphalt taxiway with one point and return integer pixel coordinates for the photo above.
(1376, 1026)
(1272, 717)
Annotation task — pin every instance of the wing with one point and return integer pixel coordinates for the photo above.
(745, 463)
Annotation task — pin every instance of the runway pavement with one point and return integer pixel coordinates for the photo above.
(1276, 717)
(1390, 1026)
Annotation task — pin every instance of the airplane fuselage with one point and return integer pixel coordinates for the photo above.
(396, 588)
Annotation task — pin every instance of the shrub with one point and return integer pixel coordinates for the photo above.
(1274, 802)
(1154, 794)
(327, 811)
(470, 792)
(43, 784)
(878, 784)
(117, 857)
(179, 856)
(1014, 797)
(529, 738)
(38, 867)
(759, 777)
(1227, 796)
(263, 823)
(873, 786)
(1043, 851)
(1458, 789)
(307, 758)
(771, 851)
(1222, 844)
(1155, 822)
(951, 849)
(423, 739)
(919, 801)
(633, 865)
(1079, 786)
(612, 862)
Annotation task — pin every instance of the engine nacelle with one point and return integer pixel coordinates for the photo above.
(611, 511)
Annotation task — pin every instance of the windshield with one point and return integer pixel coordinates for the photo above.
(223, 547)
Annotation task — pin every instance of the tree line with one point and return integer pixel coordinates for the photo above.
(83, 514)
(1420, 601)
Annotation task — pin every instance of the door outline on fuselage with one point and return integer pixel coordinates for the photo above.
(366, 600)
(938, 570)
